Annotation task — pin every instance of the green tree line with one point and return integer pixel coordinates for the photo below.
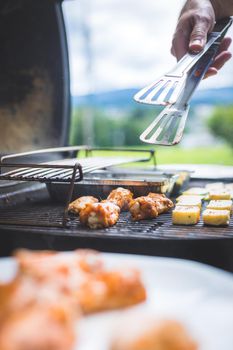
(122, 128)
(220, 123)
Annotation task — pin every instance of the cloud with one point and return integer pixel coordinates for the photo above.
(129, 43)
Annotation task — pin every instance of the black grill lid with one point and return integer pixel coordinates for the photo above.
(34, 70)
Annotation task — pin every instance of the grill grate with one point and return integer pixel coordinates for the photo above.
(43, 173)
(66, 170)
(46, 214)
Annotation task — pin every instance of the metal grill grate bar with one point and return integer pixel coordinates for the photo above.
(51, 215)
(42, 173)
(48, 173)
(62, 170)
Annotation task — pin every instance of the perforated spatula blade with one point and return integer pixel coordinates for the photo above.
(167, 129)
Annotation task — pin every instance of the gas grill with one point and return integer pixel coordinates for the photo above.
(158, 237)
(35, 112)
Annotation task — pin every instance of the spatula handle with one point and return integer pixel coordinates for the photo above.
(197, 73)
(189, 60)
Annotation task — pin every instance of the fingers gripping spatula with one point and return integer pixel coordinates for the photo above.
(167, 88)
(167, 129)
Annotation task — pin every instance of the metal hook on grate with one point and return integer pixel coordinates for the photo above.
(77, 166)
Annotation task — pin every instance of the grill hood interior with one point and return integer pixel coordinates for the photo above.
(34, 69)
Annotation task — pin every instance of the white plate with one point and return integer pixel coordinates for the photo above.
(198, 295)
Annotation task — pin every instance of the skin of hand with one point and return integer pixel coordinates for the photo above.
(196, 20)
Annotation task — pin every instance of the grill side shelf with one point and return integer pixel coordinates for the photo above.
(46, 173)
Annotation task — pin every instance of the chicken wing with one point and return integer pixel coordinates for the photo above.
(121, 197)
(100, 215)
(150, 206)
(81, 203)
(143, 208)
(163, 203)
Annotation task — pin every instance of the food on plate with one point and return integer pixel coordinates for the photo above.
(215, 217)
(193, 201)
(38, 327)
(196, 191)
(185, 215)
(50, 265)
(220, 205)
(83, 276)
(50, 292)
(121, 197)
(150, 206)
(99, 215)
(109, 290)
(81, 203)
(219, 194)
(36, 315)
(153, 335)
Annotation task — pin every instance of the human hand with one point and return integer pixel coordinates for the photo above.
(196, 20)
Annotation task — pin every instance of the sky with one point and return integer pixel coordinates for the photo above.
(117, 44)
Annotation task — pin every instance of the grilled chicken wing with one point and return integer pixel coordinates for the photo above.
(150, 206)
(163, 203)
(143, 208)
(81, 203)
(144, 334)
(100, 215)
(121, 197)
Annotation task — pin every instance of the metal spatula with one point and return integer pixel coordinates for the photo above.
(167, 88)
(167, 129)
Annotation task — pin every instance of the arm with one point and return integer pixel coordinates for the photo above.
(196, 20)
(222, 8)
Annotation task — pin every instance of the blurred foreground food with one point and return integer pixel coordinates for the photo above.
(41, 305)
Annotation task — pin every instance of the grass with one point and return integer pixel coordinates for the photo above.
(203, 155)
(175, 155)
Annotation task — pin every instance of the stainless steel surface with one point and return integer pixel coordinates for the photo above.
(167, 129)
(61, 170)
(166, 90)
(68, 171)
(100, 184)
